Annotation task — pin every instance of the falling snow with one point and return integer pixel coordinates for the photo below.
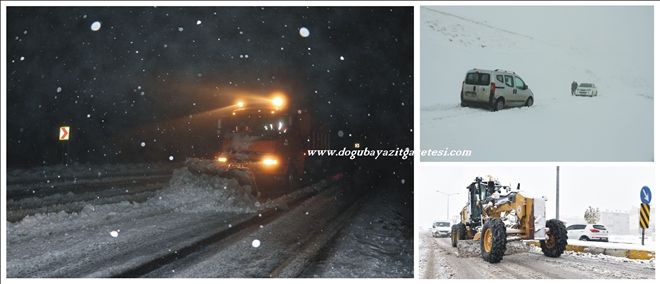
(304, 32)
(96, 26)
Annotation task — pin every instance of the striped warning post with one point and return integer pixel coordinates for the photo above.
(644, 214)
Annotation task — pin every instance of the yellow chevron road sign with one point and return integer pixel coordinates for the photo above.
(644, 215)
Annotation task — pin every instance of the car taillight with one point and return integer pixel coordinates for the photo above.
(594, 230)
(492, 89)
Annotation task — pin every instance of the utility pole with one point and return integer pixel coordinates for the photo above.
(447, 195)
(557, 196)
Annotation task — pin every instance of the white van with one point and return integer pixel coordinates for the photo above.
(496, 89)
(441, 229)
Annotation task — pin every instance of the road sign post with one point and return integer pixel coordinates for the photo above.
(644, 209)
(65, 134)
(644, 218)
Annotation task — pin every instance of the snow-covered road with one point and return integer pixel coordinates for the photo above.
(199, 225)
(439, 260)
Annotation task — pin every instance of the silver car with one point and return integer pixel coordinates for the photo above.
(586, 89)
(497, 89)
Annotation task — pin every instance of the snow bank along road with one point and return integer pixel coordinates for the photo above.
(438, 259)
(193, 226)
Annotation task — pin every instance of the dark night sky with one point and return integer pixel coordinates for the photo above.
(104, 73)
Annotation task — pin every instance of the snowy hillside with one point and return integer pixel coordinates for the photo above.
(615, 126)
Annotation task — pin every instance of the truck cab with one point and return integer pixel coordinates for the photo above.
(268, 139)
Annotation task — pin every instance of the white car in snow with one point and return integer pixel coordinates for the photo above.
(587, 232)
(586, 89)
(496, 89)
(441, 229)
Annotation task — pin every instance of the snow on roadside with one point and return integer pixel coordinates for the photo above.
(376, 243)
(632, 239)
(83, 171)
(611, 245)
(603, 257)
(187, 193)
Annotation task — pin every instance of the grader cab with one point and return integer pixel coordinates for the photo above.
(496, 214)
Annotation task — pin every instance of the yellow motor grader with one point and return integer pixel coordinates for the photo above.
(497, 214)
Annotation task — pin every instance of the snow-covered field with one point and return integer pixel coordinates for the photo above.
(617, 125)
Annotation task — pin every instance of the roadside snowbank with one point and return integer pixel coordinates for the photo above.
(611, 245)
(187, 193)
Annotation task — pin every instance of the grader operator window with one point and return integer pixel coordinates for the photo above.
(475, 202)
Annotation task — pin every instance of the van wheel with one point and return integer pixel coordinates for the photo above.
(530, 102)
(463, 104)
(499, 105)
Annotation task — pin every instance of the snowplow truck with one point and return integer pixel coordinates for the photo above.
(266, 139)
(496, 214)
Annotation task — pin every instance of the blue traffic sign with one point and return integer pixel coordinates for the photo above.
(645, 195)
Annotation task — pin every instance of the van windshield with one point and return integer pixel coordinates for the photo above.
(476, 78)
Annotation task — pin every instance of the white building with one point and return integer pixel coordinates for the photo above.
(616, 221)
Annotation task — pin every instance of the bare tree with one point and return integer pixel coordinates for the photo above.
(592, 215)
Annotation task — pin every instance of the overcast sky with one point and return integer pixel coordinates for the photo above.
(605, 187)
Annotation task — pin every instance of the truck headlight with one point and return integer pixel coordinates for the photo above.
(269, 162)
(222, 159)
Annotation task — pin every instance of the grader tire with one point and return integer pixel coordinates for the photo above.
(458, 232)
(556, 243)
(462, 231)
(454, 236)
(493, 240)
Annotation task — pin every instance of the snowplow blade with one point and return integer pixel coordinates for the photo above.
(472, 248)
(244, 177)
